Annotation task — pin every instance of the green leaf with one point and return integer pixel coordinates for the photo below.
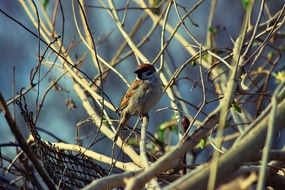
(105, 121)
(270, 55)
(45, 3)
(160, 135)
(202, 143)
(236, 107)
(133, 141)
(193, 63)
(245, 3)
(213, 30)
(174, 128)
(279, 76)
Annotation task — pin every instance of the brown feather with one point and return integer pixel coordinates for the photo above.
(125, 101)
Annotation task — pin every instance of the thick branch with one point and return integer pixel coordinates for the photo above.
(128, 166)
(169, 160)
(110, 182)
(143, 142)
(229, 162)
(23, 144)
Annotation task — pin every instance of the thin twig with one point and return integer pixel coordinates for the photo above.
(24, 146)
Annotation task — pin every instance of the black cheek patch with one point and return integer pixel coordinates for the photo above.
(140, 76)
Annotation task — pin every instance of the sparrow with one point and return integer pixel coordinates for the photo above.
(141, 96)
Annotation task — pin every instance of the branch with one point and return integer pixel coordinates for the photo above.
(143, 151)
(129, 166)
(229, 93)
(169, 160)
(268, 143)
(23, 144)
(143, 142)
(110, 182)
(247, 147)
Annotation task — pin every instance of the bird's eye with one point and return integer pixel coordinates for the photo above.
(149, 73)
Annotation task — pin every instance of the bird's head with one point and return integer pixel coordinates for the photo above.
(145, 71)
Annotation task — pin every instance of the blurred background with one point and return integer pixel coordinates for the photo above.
(62, 111)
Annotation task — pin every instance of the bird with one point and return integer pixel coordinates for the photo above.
(141, 96)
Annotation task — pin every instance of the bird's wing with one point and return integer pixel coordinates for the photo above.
(125, 100)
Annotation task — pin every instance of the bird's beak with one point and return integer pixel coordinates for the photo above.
(137, 71)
